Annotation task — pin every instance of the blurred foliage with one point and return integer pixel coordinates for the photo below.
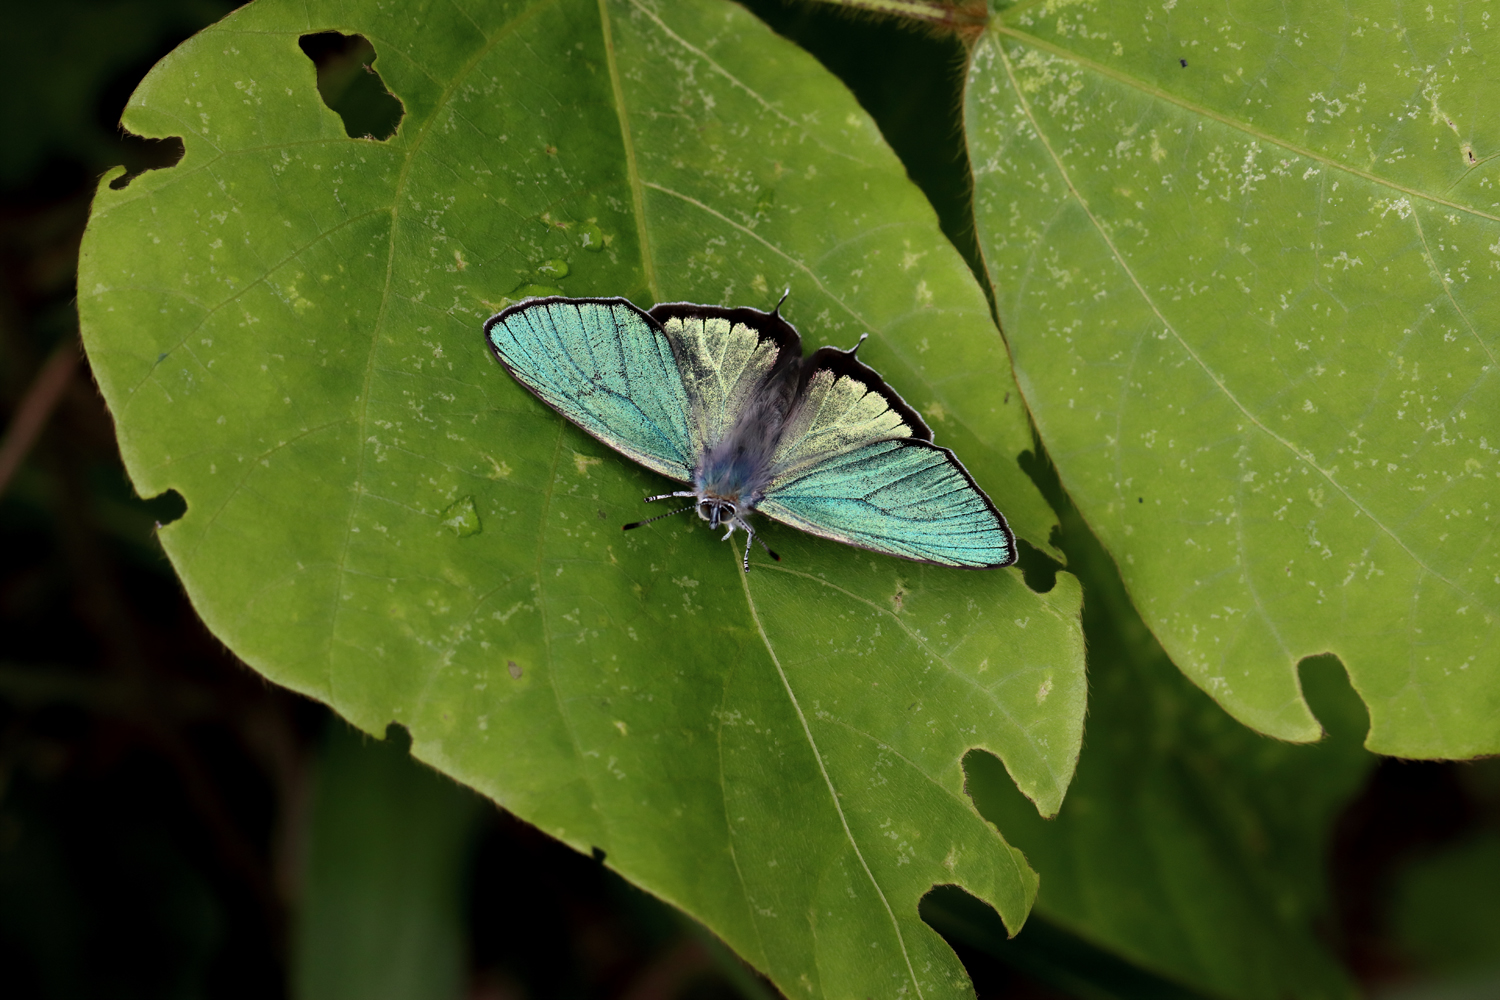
(66, 69)
(388, 855)
(1443, 916)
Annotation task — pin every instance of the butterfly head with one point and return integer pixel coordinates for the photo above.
(718, 511)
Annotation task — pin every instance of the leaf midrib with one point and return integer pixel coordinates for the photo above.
(833, 794)
(627, 141)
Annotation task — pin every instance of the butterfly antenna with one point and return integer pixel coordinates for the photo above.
(784, 296)
(668, 496)
(658, 517)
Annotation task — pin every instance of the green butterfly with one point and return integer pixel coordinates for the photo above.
(722, 400)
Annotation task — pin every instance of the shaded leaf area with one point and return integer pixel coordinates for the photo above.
(1245, 260)
(286, 326)
(1044, 953)
(1457, 939)
(1444, 907)
(912, 83)
(1189, 844)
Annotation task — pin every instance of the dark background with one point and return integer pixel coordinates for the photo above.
(156, 795)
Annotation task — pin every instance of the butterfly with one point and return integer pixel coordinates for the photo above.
(723, 400)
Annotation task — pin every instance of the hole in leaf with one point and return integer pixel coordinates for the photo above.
(977, 935)
(989, 786)
(166, 507)
(1333, 700)
(350, 86)
(142, 154)
(398, 737)
(137, 154)
(1038, 569)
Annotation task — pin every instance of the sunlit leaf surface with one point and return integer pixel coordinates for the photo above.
(1247, 259)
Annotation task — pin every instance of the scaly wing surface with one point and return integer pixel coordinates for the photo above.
(843, 405)
(726, 357)
(903, 497)
(607, 367)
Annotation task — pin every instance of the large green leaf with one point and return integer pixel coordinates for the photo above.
(286, 327)
(1247, 259)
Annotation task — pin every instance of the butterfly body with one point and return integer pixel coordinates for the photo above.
(723, 400)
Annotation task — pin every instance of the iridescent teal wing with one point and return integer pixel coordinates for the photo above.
(856, 464)
(904, 497)
(608, 368)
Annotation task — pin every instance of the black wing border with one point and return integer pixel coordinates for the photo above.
(845, 362)
(770, 326)
(775, 327)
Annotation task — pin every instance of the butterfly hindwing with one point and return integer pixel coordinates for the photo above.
(727, 358)
(841, 405)
(901, 496)
(606, 366)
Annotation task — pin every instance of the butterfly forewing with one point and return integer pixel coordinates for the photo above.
(904, 497)
(607, 367)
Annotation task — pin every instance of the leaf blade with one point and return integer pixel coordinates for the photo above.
(1229, 414)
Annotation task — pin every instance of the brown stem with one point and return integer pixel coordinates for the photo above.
(36, 407)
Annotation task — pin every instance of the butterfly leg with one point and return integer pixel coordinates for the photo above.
(751, 536)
